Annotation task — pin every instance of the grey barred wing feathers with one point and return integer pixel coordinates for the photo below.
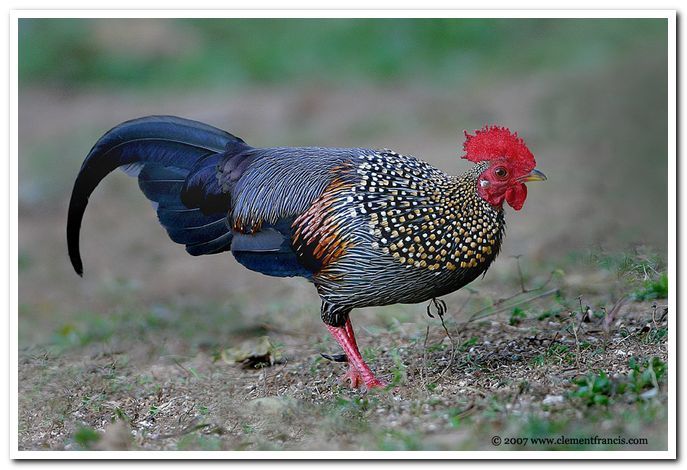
(284, 182)
(279, 190)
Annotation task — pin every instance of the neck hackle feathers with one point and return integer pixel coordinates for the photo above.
(498, 143)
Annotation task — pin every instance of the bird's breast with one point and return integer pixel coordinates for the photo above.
(423, 218)
(415, 233)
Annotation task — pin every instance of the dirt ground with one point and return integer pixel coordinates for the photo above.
(166, 378)
(140, 353)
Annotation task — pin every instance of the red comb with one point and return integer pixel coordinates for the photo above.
(493, 142)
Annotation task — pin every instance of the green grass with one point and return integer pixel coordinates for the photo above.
(550, 314)
(653, 289)
(86, 437)
(199, 442)
(393, 439)
(127, 365)
(656, 335)
(516, 316)
(89, 328)
(559, 353)
(222, 52)
(642, 382)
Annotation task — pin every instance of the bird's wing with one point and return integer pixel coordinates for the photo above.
(290, 193)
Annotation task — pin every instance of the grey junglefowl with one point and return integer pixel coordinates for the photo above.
(366, 227)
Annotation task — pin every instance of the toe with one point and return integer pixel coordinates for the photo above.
(352, 376)
(375, 383)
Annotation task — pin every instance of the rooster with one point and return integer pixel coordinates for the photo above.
(366, 227)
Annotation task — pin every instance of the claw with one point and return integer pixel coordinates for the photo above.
(335, 357)
(353, 377)
(375, 383)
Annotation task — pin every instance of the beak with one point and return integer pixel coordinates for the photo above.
(534, 175)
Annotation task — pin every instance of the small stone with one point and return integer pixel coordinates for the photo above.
(553, 400)
(270, 405)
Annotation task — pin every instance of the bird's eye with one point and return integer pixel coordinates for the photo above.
(500, 172)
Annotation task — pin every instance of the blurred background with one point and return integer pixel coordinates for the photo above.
(589, 96)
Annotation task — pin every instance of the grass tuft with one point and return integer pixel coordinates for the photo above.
(641, 383)
(86, 437)
(652, 289)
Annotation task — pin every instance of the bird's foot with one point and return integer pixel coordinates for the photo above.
(356, 380)
(353, 377)
(358, 373)
(375, 383)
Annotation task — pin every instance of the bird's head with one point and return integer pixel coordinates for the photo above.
(511, 165)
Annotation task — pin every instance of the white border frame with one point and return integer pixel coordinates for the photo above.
(15, 15)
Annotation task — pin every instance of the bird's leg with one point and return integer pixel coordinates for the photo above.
(358, 369)
(353, 374)
(358, 373)
(342, 357)
(350, 332)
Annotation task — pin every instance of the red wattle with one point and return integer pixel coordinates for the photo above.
(516, 195)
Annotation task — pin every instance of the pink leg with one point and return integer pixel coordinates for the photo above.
(349, 331)
(352, 374)
(347, 342)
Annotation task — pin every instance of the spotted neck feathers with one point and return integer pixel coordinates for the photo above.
(425, 218)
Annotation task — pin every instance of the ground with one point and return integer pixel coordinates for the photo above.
(142, 352)
(166, 378)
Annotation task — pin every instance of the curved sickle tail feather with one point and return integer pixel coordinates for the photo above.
(170, 156)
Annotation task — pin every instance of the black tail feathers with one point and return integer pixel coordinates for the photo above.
(174, 160)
